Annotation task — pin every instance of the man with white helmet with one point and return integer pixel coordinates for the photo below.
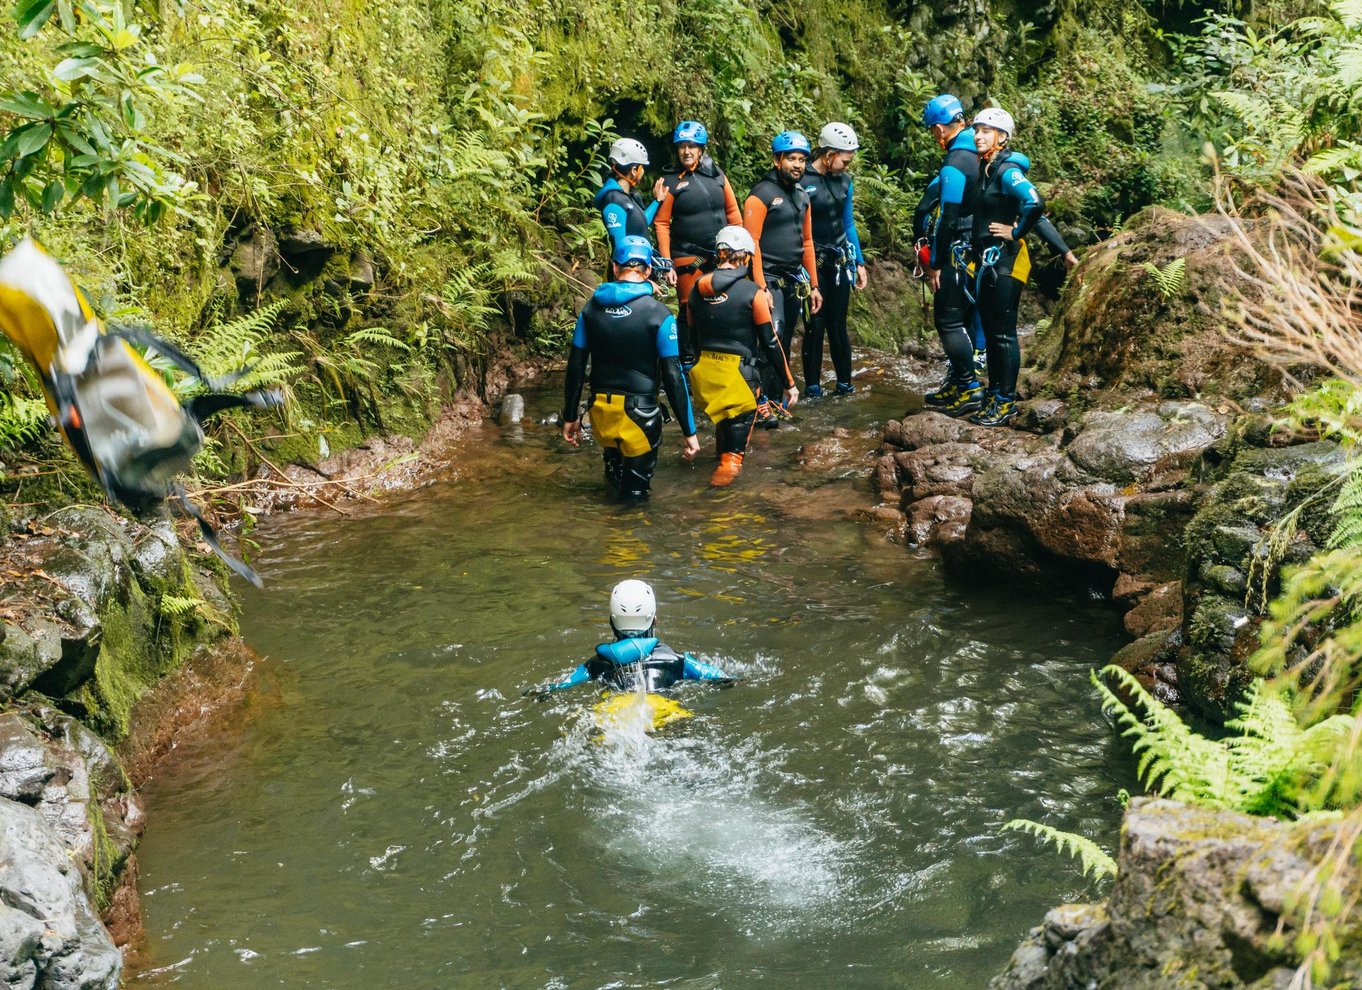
(1006, 208)
(730, 324)
(837, 250)
(621, 207)
(636, 655)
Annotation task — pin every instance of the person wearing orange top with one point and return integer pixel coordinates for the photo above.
(696, 200)
(730, 319)
(778, 217)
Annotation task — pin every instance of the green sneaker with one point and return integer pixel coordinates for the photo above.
(998, 412)
(968, 399)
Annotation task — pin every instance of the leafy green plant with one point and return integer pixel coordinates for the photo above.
(1095, 862)
(1171, 278)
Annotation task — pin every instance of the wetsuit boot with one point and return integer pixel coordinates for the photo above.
(730, 466)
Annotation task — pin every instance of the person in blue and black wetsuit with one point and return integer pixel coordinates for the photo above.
(1006, 208)
(948, 235)
(637, 655)
(621, 207)
(837, 249)
(697, 200)
(777, 216)
(628, 338)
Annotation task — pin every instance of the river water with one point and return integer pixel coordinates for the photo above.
(388, 811)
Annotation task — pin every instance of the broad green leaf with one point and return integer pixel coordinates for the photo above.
(6, 197)
(33, 137)
(33, 194)
(132, 114)
(72, 136)
(126, 38)
(26, 104)
(80, 49)
(73, 68)
(31, 15)
(52, 195)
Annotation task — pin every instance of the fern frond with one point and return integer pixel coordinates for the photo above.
(225, 348)
(22, 420)
(376, 335)
(1347, 511)
(1349, 12)
(1171, 278)
(1254, 112)
(176, 605)
(1093, 859)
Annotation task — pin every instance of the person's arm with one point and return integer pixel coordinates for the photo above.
(766, 337)
(690, 347)
(678, 389)
(650, 210)
(754, 219)
(662, 223)
(952, 192)
(810, 255)
(578, 356)
(849, 225)
(578, 676)
(1050, 234)
(614, 215)
(731, 212)
(922, 213)
(698, 670)
(1019, 187)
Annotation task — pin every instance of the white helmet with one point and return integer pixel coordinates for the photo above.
(997, 118)
(838, 137)
(735, 238)
(632, 607)
(626, 152)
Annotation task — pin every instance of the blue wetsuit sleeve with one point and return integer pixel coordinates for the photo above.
(578, 676)
(579, 333)
(849, 224)
(651, 211)
(698, 670)
(1019, 187)
(673, 378)
(614, 216)
(952, 189)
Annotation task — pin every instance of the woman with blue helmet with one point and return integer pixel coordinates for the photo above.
(697, 201)
(778, 217)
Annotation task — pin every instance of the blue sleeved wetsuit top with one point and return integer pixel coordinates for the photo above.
(619, 664)
(623, 212)
(955, 192)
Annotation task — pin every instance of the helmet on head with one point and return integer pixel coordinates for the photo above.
(633, 250)
(627, 152)
(790, 141)
(997, 118)
(633, 608)
(735, 238)
(691, 131)
(942, 110)
(838, 137)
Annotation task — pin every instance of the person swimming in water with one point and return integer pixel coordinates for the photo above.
(636, 654)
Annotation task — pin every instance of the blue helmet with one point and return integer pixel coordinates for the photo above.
(790, 141)
(633, 250)
(692, 131)
(941, 110)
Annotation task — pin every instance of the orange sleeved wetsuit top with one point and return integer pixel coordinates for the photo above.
(779, 220)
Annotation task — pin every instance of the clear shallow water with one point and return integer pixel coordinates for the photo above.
(388, 811)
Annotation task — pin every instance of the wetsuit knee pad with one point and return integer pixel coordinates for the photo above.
(637, 478)
(731, 436)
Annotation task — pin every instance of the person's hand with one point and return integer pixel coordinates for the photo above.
(572, 432)
(671, 276)
(659, 190)
(791, 397)
(690, 447)
(934, 278)
(861, 278)
(1003, 230)
(815, 301)
(1070, 260)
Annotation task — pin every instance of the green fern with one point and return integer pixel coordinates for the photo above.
(1093, 859)
(1268, 765)
(1347, 511)
(22, 420)
(1171, 278)
(376, 335)
(226, 348)
(177, 606)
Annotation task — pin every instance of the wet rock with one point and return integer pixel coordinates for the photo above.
(1158, 611)
(254, 261)
(1152, 534)
(361, 271)
(1041, 415)
(512, 410)
(48, 930)
(26, 653)
(1126, 446)
(301, 241)
(1194, 885)
(939, 520)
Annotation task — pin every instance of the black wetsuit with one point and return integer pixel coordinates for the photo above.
(730, 315)
(837, 249)
(778, 217)
(948, 234)
(697, 205)
(1004, 195)
(629, 340)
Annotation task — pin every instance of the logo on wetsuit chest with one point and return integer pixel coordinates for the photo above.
(715, 300)
(778, 200)
(682, 185)
(619, 312)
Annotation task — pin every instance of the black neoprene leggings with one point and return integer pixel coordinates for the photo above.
(950, 309)
(785, 309)
(829, 321)
(999, 295)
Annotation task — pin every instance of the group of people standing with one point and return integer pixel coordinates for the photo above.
(744, 278)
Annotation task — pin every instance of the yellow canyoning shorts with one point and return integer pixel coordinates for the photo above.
(720, 386)
(612, 426)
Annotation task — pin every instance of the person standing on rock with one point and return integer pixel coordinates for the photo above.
(696, 201)
(778, 217)
(837, 249)
(947, 252)
(622, 208)
(628, 338)
(1006, 208)
(730, 319)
